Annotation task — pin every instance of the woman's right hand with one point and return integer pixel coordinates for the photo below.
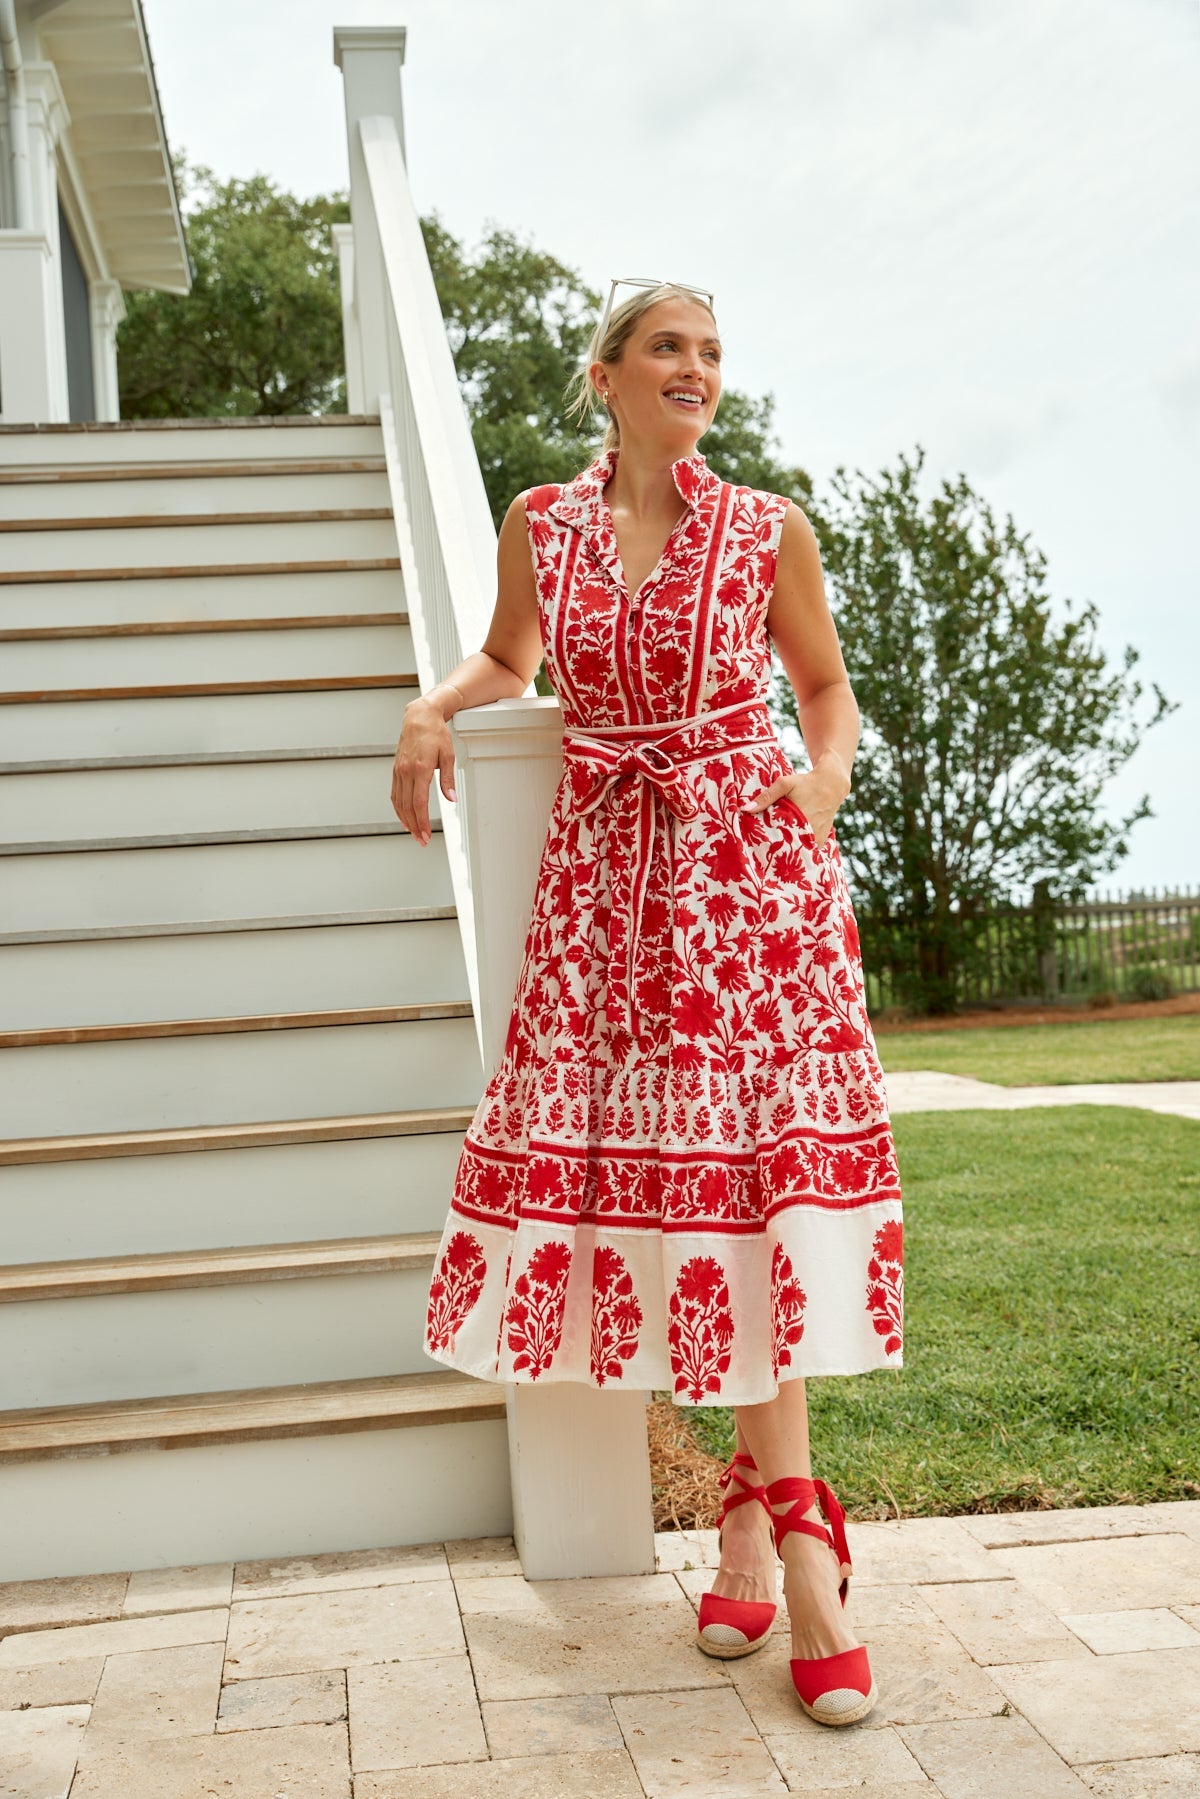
(425, 746)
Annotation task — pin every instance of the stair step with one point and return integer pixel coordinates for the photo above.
(179, 627)
(174, 797)
(268, 1134)
(84, 1278)
(233, 724)
(191, 1420)
(194, 543)
(239, 1077)
(136, 1030)
(207, 927)
(125, 496)
(260, 594)
(207, 661)
(174, 471)
(192, 521)
(119, 981)
(191, 689)
(52, 893)
(24, 449)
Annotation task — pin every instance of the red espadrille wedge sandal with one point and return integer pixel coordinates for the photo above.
(733, 1627)
(833, 1689)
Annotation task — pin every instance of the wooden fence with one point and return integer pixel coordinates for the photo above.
(1136, 945)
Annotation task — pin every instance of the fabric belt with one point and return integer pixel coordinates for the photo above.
(638, 772)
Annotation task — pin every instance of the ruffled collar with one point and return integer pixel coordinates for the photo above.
(581, 503)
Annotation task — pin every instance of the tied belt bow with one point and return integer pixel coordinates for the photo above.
(627, 768)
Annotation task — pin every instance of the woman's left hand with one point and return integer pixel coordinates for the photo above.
(818, 792)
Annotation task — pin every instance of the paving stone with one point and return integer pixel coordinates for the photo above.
(342, 1628)
(823, 1760)
(683, 1548)
(318, 1697)
(158, 1692)
(921, 1669)
(523, 1654)
(1073, 1524)
(73, 1599)
(917, 1549)
(1163, 1777)
(411, 1714)
(52, 1683)
(473, 1557)
(607, 1774)
(1112, 1574)
(1000, 1621)
(1115, 1633)
(551, 1726)
(26, 1648)
(991, 1758)
(274, 1577)
(701, 1744)
(303, 1761)
(500, 1594)
(1113, 1707)
(1177, 1514)
(178, 1589)
(39, 1749)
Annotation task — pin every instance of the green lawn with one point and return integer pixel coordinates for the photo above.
(1021, 1055)
(1052, 1321)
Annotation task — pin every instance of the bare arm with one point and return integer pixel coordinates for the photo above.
(501, 669)
(801, 625)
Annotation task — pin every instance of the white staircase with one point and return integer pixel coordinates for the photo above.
(237, 1048)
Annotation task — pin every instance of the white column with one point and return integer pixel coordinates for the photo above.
(370, 60)
(578, 1456)
(343, 244)
(48, 120)
(107, 306)
(29, 287)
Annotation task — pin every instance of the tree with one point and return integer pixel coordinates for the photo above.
(260, 333)
(989, 729)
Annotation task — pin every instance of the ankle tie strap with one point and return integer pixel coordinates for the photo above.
(800, 1495)
(746, 1490)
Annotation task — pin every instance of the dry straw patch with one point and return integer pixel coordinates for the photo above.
(683, 1476)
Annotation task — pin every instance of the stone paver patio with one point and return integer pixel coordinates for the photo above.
(1022, 1654)
(930, 1090)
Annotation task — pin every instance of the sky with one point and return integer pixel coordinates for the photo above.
(965, 226)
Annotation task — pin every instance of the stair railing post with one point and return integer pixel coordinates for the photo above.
(578, 1456)
(370, 59)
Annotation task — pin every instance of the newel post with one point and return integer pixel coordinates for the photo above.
(370, 58)
(578, 1456)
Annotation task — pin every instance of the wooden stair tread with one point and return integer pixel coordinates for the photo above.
(264, 1134)
(340, 565)
(181, 627)
(81, 846)
(222, 1024)
(190, 927)
(182, 521)
(33, 476)
(236, 1266)
(193, 1420)
(168, 690)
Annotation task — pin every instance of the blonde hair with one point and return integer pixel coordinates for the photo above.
(583, 400)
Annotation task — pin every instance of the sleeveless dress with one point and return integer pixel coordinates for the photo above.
(681, 1174)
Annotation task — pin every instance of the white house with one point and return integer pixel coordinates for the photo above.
(88, 206)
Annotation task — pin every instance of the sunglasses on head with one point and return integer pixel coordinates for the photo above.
(643, 281)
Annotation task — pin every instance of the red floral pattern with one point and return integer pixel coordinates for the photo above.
(885, 1284)
(616, 1315)
(700, 1331)
(788, 1300)
(535, 1312)
(454, 1289)
(688, 1057)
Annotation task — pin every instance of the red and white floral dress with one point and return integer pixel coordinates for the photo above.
(681, 1174)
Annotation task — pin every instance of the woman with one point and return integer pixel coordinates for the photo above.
(682, 1173)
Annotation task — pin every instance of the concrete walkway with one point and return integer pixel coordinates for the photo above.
(1026, 1655)
(927, 1090)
